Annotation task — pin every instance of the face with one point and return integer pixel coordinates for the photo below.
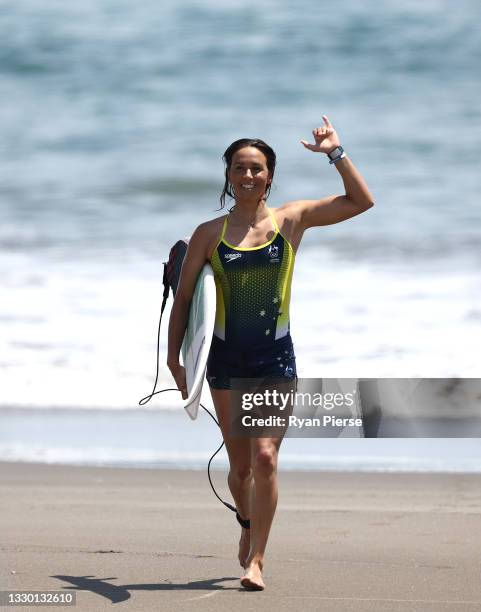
(248, 173)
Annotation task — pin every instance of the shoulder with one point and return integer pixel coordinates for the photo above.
(206, 235)
(290, 211)
(209, 229)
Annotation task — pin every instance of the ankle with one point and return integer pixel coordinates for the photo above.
(241, 494)
(244, 522)
(256, 560)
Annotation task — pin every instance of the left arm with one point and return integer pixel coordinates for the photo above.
(336, 208)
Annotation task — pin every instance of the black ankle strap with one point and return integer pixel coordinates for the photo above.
(244, 522)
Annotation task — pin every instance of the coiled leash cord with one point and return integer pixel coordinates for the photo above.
(144, 400)
(244, 522)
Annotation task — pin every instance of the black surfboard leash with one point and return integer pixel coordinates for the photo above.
(146, 399)
(170, 279)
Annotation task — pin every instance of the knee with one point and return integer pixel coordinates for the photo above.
(265, 461)
(241, 472)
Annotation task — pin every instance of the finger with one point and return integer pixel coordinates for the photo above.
(183, 390)
(182, 387)
(326, 121)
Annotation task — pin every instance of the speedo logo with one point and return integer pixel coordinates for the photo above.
(232, 256)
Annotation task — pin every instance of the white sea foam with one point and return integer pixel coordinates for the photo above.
(107, 456)
(86, 336)
(168, 439)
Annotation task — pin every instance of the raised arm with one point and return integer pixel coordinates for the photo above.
(195, 258)
(335, 208)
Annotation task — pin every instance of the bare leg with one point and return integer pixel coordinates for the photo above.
(240, 479)
(253, 484)
(263, 506)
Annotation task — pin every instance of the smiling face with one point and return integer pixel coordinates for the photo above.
(248, 174)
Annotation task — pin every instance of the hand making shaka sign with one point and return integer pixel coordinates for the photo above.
(326, 138)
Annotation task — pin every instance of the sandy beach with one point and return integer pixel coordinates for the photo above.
(149, 540)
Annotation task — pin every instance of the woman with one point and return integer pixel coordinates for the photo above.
(252, 251)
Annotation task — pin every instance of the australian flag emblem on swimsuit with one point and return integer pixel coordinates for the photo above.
(273, 251)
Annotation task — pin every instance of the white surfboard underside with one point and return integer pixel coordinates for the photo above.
(198, 337)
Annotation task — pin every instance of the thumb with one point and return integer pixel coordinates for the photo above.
(309, 146)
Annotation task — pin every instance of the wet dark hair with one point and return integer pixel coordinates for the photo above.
(229, 154)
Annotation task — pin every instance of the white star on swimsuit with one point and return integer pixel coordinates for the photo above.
(268, 331)
(275, 300)
(262, 313)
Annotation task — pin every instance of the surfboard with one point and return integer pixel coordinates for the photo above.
(198, 337)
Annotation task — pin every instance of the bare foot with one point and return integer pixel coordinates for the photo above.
(244, 546)
(252, 580)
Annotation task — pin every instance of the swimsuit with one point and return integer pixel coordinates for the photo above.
(252, 333)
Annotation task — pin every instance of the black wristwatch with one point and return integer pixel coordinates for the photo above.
(336, 154)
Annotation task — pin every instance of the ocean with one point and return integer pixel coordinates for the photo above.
(114, 119)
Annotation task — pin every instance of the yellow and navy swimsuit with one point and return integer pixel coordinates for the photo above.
(252, 334)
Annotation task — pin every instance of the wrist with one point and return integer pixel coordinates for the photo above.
(336, 154)
(331, 149)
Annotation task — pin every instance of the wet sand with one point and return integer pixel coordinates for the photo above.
(149, 540)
